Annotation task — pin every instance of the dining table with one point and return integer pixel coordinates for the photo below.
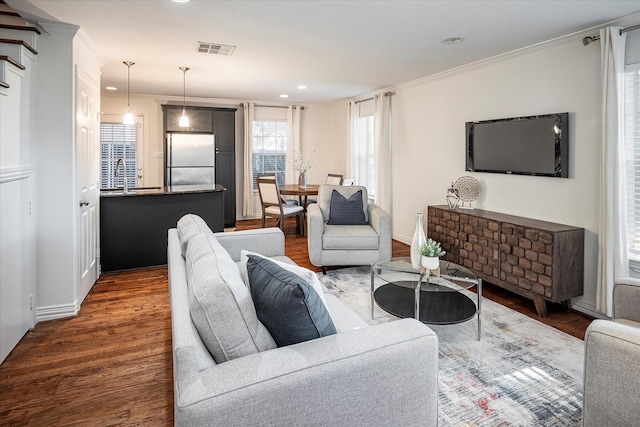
(302, 192)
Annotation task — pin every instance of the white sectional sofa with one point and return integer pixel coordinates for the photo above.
(363, 375)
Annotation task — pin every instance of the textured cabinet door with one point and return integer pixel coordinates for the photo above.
(479, 244)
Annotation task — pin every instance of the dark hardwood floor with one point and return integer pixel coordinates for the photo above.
(112, 364)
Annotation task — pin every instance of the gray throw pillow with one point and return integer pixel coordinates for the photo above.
(287, 306)
(345, 211)
(220, 304)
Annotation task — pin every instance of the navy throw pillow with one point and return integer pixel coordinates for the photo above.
(343, 211)
(287, 306)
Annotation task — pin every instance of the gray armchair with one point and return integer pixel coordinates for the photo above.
(333, 245)
(612, 356)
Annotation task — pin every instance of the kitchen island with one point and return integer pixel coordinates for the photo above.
(134, 224)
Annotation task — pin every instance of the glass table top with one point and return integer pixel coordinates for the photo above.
(452, 276)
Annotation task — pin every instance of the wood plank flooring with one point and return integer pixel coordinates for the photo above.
(112, 364)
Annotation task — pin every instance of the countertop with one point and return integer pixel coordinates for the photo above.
(155, 191)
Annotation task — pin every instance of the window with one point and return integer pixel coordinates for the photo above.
(365, 155)
(269, 149)
(632, 138)
(118, 141)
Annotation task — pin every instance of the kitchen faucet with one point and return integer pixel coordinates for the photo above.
(124, 173)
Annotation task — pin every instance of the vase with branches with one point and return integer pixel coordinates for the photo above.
(302, 166)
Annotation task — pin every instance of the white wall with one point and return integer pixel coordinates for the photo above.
(323, 129)
(55, 189)
(429, 140)
(56, 202)
(16, 194)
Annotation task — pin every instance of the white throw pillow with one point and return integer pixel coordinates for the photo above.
(305, 274)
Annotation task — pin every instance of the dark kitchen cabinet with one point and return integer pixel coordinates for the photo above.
(220, 122)
(200, 120)
(224, 128)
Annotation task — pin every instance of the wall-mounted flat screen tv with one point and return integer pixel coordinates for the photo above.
(534, 145)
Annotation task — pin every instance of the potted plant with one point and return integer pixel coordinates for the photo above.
(431, 252)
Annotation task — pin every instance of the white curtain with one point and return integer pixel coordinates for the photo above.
(353, 112)
(613, 259)
(247, 187)
(293, 144)
(382, 147)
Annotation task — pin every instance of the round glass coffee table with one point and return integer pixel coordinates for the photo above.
(432, 299)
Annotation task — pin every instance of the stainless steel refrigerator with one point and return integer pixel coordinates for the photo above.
(190, 159)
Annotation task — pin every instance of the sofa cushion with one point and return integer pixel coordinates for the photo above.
(305, 274)
(288, 306)
(346, 211)
(220, 304)
(350, 237)
(188, 226)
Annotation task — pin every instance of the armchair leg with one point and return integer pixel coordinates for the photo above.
(263, 219)
(324, 270)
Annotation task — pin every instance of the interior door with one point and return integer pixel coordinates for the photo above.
(88, 128)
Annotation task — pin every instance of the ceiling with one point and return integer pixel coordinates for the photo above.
(338, 49)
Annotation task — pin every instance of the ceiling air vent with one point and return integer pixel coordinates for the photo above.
(216, 48)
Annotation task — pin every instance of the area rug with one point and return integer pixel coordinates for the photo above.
(521, 373)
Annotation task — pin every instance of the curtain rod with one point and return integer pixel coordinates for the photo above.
(590, 39)
(389, 93)
(274, 106)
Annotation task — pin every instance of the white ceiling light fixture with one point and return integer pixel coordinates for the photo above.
(110, 88)
(181, 1)
(452, 40)
(184, 119)
(284, 95)
(302, 87)
(128, 117)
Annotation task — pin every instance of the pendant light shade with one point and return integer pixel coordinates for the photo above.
(128, 117)
(184, 119)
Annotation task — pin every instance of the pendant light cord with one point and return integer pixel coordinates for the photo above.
(128, 64)
(184, 87)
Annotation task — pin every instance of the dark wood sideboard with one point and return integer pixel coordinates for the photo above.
(539, 260)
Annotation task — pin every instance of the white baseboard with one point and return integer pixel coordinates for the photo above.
(587, 308)
(402, 239)
(56, 312)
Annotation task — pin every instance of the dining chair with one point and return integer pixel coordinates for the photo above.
(273, 176)
(334, 179)
(273, 206)
(347, 182)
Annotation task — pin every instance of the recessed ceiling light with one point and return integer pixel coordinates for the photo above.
(181, 1)
(284, 95)
(302, 87)
(453, 40)
(110, 88)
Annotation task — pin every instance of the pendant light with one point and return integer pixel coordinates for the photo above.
(128, 117)
(184, 120)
